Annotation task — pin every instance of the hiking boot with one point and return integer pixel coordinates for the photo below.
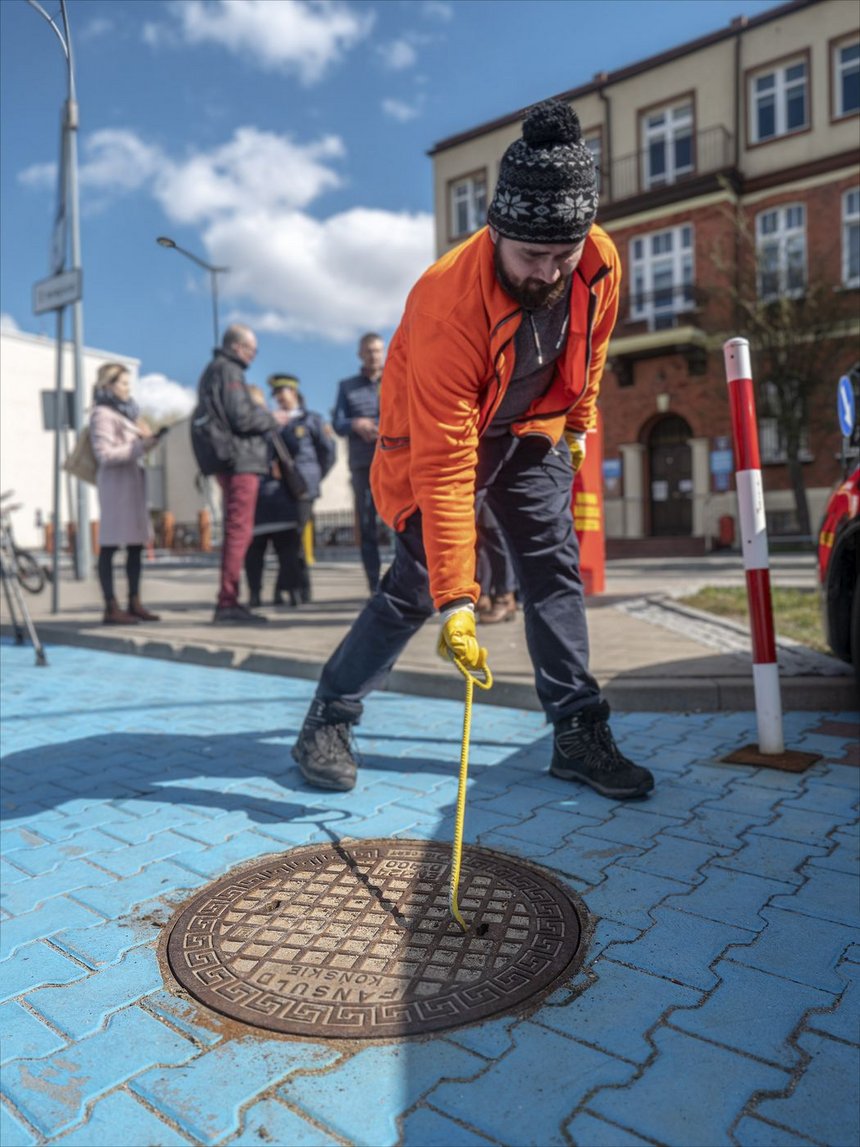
(323, 749)
(503, 608)
(237, 615)
(585, 750)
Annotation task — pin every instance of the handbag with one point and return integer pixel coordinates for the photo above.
(81, 463)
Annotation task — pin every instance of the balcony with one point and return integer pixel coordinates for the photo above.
(626, 186)
(667, 308)
(657, 323)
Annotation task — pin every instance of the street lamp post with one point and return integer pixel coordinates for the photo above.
(214, 272)
(68, 202)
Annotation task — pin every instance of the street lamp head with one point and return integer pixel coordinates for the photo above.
(163, 241)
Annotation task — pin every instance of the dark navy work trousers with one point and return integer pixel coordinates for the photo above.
(368, 526)
(527, 485)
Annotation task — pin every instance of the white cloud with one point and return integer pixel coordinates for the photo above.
(39, 175)
(438, 10)
(293, 36)
(329, 278)
(254, 170)
(398, 54)
(401, 110)
(113, 160)
(7, 323)
(96, 29)
(162, 399)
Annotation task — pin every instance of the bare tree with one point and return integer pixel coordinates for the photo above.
(799, 325)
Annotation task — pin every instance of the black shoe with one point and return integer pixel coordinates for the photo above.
(323, 750)
(237, 615)
(585, 750)
(254, 601)
(278, 599)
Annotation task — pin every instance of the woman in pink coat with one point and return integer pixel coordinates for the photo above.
(120, 439)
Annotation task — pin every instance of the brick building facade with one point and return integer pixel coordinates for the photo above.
(730, 176)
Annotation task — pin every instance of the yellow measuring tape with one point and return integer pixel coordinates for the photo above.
(483, 678)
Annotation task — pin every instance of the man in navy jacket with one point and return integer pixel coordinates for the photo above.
(356, 418)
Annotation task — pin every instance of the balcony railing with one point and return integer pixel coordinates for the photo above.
(628, 176)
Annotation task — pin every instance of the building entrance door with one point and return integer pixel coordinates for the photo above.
(671, 469)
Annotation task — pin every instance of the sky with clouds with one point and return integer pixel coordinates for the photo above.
(284, 139)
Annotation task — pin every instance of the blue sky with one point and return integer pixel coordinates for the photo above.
(282, 138)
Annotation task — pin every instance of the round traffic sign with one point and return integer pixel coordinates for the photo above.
(845, 405)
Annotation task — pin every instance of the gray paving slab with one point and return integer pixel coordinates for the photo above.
(647, 651)
(725, 947)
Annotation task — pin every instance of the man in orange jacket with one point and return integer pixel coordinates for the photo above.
(488, 394)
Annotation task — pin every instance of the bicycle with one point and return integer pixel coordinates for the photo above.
(31, 575)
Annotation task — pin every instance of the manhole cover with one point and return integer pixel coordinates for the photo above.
(355, 940)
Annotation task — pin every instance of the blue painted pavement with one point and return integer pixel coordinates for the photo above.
(719, 1001)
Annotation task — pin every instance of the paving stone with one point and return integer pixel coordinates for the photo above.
(754, 1132)
(629, 896)
(842, 1022)
(148, 821)
(790, 947)
(680, 947)
(490, 1039)
(803, 825)
(128, 860)
(753, 1012)
(826, 798)
(629, 825)
(107, 941)
(103, 993)
(730, 897)
(119, 1118)
(614, 1013)
(726, 1079)
(833, 1071)
(53, 1092)
(117, 899)
(588, 1129)
(13, 1133)
(34, 964)
(771, 858)
(204, 1097)
(826, 895)
(74, 875)
(24, 1035)
(401, 1073)
(525, 1096)
(37, 861)
(674, 858)
(68, 825)
(426, 1126)
(271, 1121)
(9, 874)
(184, 1014)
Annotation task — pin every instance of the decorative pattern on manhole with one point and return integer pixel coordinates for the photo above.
(355, 940)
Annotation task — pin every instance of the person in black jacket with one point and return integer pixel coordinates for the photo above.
(228, 434)
(279, 518)
(356, 418)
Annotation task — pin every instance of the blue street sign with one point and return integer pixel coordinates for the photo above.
(845, 405)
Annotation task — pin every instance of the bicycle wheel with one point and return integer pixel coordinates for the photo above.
(30, 573)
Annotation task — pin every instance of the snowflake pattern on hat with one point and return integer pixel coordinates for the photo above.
(547, 188)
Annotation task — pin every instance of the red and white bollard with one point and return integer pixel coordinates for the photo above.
(768, 702)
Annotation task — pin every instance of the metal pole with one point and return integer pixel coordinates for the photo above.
(58, 393)
(83, 549)
(214, 276)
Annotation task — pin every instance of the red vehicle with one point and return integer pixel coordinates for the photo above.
(839, 571)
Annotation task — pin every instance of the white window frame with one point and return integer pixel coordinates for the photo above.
(781, 232)
(471, 191)
(782, 90)
(771, 447)
(651, 255)
(667, 125)
(850, 226)
(842, 68)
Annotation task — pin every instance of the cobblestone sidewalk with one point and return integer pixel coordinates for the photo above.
(718, 1001)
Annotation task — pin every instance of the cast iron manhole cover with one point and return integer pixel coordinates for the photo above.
(355, 940)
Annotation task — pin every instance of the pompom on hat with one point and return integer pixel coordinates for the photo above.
(547, 188)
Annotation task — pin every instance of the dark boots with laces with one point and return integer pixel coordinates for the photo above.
(585, 750)
(324, 747)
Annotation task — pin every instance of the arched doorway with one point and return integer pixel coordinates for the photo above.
(671, 470)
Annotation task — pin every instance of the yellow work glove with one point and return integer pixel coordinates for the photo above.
(575, 440)
(458, 640)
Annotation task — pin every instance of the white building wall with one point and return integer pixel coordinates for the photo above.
(28, 365)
